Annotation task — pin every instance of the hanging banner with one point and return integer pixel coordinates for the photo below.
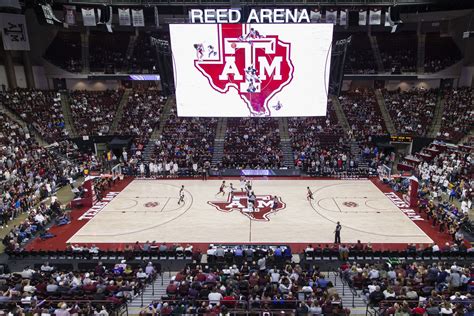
(137, 17)
(49, 16)
(88, 17)
(70, 14)
(14, 33)
(108, 23)
(362, 17)
(388, 20)
(375, 17)
(315, 16)
(105, 17)
(157, 17)
(331, 16)
(343, 17)
(124, 16)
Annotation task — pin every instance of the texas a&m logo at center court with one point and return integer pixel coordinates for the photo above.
(264, 206)
(257, 66)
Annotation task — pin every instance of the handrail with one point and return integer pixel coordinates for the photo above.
(151, 279)
(346, 281)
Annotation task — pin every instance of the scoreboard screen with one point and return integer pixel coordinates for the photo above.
(251, 70)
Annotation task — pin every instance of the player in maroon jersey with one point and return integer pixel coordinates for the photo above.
(221, 189)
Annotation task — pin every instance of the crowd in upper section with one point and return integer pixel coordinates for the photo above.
(94, 111)
(411, 111)
(123, 52)
(458, 114)
(363, 114)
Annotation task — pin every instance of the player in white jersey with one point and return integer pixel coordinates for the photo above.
(231, 190)
(181, 195)
(243, 183)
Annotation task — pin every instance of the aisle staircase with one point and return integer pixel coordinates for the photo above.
(152, 292)
(218, 152)
(420, 58)
(66, 108)
(285, 143)
(341, 117)
(150, 146)
(376, 51)
(385, 114)
(119, 113)
(17, 119)
(351, 298)
(437, 117)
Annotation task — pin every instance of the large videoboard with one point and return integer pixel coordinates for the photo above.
(258, 70)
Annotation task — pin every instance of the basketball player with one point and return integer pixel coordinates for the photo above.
(275, 203)
(231, 190)
(199, 51)
(211, 51)
(242, 183)
(309, 195)
(181, 195)
(248, 187)
(252, 198)
(221, 189)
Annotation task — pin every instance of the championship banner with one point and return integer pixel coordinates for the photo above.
(105, 17)
(124, 16)
(137, 17)
(157, 17)
(375, 17)
(49, 16)
(14, 32)
(315, 16)
(388, 20)
(70, 14)
(331, 16)
(343, 17)
(88, 17)
(362, 17)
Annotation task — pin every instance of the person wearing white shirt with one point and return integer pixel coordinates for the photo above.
(435, 248)
(40, 218)
(464, 207)
(374, 274)
(141, 274)
(46, 267)
(274, 276)
(94, 249)
(149, 269)
(151, 167)
(214, 297)
(211, 251)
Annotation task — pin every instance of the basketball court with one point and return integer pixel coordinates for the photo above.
(148, 210)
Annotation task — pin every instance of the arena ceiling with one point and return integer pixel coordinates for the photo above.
(446, 4)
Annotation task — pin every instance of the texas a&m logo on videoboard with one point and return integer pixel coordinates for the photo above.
(256, 65)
